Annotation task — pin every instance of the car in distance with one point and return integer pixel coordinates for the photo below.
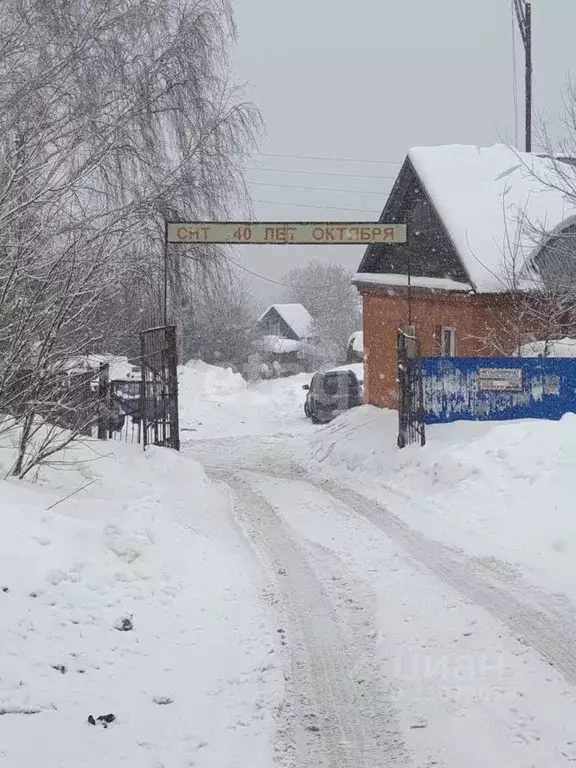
(331, 393)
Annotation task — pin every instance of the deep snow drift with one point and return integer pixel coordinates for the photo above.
(133, 597)
(216, 402)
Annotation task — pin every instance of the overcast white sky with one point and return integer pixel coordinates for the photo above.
(367, 79)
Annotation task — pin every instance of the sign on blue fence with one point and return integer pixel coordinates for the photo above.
(500, 379)
(497, 388)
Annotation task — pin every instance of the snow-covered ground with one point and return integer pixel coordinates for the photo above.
(314, 597)
(196, 681)
(216, 402)
(497, 490)
(439, 578)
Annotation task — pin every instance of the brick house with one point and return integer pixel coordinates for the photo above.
(476, 222)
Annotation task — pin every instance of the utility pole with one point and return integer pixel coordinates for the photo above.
(523, 10)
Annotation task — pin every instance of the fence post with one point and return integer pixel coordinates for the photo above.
(172, 363)
(410, 390)
(103, 416)
(143, 391)
(417, 363)
(403, 386)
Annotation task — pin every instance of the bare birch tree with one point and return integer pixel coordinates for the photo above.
(540, 286)
(113, 115)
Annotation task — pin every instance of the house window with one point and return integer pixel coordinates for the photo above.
(447, 342)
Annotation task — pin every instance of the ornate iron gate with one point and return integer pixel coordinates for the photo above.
(411, 427)
(159, 387)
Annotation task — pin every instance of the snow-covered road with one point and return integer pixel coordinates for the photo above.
(331, 716)
(399, 650)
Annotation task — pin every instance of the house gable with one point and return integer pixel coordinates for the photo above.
(429, 252)
(290, 321)
(273, 324)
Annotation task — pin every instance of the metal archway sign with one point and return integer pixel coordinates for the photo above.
(283, 233)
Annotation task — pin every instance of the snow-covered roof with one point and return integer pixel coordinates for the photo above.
(491, 199)
(295, 315)
(278, 344)
(120, 368)
(356, 368)
(357, 341)
(438, 283)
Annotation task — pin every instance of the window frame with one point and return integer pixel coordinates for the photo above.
(451, 350)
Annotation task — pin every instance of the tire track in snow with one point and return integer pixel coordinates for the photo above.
(331, 725)
(533, 615)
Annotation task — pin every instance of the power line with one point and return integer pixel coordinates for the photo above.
(331, 159)
(316, 189)
(320, 173)
(255, 274)
(250, 272)
(319, 207)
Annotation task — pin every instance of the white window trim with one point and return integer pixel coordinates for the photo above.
(451, 352)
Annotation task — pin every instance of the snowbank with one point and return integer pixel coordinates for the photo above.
(132, 597)
(215, 402)
(498, 490)
(556, 348)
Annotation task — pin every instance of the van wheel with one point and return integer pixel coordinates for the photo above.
(315, 419)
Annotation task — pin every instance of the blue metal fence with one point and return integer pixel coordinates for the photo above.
(494, 388)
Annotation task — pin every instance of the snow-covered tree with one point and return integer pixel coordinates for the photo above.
(114, 114)
(327, 293)
(219, 320)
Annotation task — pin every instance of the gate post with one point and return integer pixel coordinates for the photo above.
(410, 391)
(143, 391)
(159, 387)
(403, 387)
(172, 361)
(103, 414)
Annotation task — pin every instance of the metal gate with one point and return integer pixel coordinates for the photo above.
(144, 410)
(125, 411)
(411, 427)
(159, 387)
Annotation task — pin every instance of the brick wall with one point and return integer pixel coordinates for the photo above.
(476, 319)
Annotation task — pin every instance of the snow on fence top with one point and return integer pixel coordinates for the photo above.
(493, 202)
(295, 315)
(553, 348)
